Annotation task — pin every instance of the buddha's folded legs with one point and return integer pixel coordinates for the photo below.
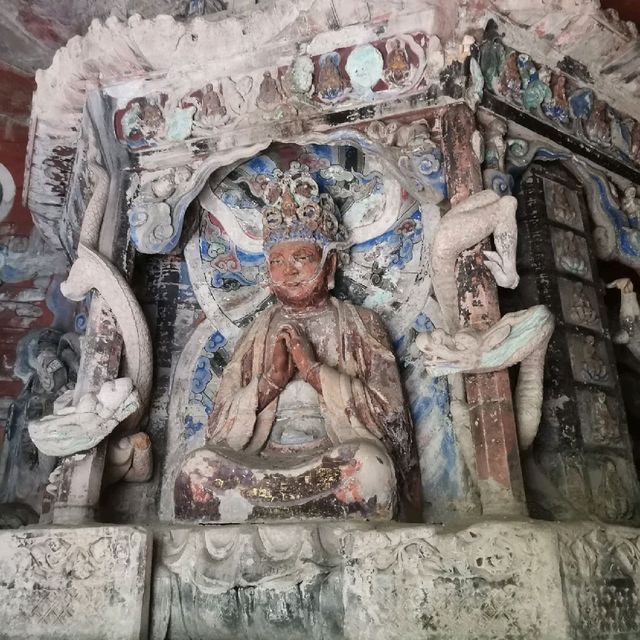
(351, 480)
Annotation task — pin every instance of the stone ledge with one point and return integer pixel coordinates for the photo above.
(517, 579)
(333, 580)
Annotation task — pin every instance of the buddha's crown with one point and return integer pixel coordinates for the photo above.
(296, 210)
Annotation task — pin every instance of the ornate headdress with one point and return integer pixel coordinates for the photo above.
(296, 210)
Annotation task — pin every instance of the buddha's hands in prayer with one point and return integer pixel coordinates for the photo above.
(302, 353)
(282, 367)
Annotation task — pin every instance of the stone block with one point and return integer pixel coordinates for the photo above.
(83, 583)
(601, 578)
(493, 580)
(579, 304)
(589, 361)
(562, 205)
(599, 419)
(356, 581)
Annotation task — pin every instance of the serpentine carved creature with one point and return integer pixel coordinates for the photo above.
(520, 337)
(73, 429)
(93, 271)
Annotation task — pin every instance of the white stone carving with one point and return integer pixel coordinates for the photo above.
(94, 213)
(75, 428)
(129, 459)
(481, 215)
(7, 192)
(74, 583)
(629, 333)
(93, 271)
(520, 337)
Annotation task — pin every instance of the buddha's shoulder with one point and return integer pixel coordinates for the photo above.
(369, 318)
(259, 323)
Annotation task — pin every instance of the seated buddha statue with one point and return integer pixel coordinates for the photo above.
(309, 419)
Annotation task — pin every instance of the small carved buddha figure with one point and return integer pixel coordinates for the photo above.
(309, 419)
(562, 208)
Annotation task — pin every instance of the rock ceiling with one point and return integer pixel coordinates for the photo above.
(32, 30)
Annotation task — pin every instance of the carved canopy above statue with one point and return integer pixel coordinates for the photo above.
(206, 79)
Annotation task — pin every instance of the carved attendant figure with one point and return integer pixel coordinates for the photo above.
(309, 418)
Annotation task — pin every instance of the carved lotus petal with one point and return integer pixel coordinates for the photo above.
(279, 543)
(220, 542)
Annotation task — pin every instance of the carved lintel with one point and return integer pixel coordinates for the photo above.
(615, 235)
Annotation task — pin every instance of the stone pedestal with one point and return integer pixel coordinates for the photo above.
(396, 581)
(331, 581)
(84, 583)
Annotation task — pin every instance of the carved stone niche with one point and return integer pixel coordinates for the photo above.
(382, 226)
(174, 118)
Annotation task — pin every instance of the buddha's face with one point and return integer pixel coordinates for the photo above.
(297, 275)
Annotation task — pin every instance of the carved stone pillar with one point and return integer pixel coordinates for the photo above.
(492, 418)
(583, 446)
(81, 475)
(80, 480)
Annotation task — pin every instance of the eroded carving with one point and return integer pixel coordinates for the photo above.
(53, 576)
(629, 333)
(518, 337)
(305, 573)
(74, 428)
(521, 337)
(92, 271)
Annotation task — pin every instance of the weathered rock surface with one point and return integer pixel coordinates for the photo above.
(337, 580)
(488, 580)
(82, 583)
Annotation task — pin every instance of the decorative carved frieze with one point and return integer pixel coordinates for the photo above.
(614, 234)
(338, 580)
(583, 447)
(62, 583)
(559, 99)
(490, 580)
